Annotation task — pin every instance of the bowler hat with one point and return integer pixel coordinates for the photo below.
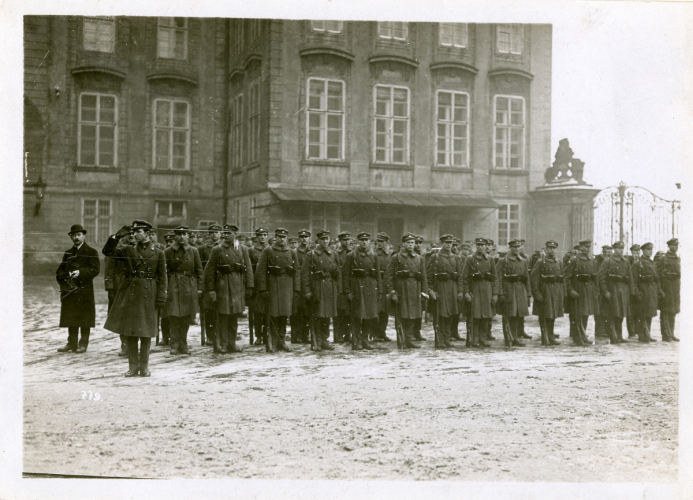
(77, 228)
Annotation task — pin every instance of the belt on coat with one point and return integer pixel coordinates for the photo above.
(142, 275)
(512, 278)
(617, 278)
(585, 277)
(364, 273)
(185, 273)
(672, 276)
(405, 274)
(647, 278)
(445, 276)
(552, 278)
(482, 276)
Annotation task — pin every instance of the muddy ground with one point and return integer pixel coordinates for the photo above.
(597, 414)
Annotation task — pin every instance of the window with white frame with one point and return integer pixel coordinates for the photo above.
(393, 30)
(96, 219)
(254, 123)
(509, 130)
(252, 220)
(325, 120)
(453, 34)
(172, 38)
(171, 134)
(98, 130)
(99, 33)
(509, 38)
(237, 131)
(452, 129)
(391, 128)
(508, 223)
(171, 209)
(327, 26)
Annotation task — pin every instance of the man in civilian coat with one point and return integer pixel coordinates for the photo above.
(583, 291)
(134, 310)
(615, 287)
(444, 275)
(229, 284)
(669, 270)
(648, 292)
(548, 290)
(79, 267)
(514, 288)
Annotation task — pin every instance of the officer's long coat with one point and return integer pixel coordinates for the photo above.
(587, 303)
(669, 270)
(282, 287)
(342, 303)
(552, 292)
(383, 261)
(514, 294)
(408, 289)
(324, 289)
(77, 309)
(254, 253)
(366, 289)
(133, 312)
(619, 304)
(445, 262)
(205, 251)
(185, 279)
(647, 288)
(230, 288)
(300, 257)
(482, 290)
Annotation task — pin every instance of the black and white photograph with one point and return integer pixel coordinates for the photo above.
(350, 250)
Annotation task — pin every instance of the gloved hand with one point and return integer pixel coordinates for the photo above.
(432, 295)
(308, 296)
(607, 295)
(393, 296)
(574, 294)
(468, 297)
(350, 297)
(494, 300)
(123, 231)
(213, 296)
(539, 297)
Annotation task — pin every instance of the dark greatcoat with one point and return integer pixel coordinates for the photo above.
(254, 253)
(366, 289)
(324, 288)
(513, 299)
(133, 312)
(205, 251)
(77, 309)
(230, 287)
(669, 270)
(611, 272)
(587, 303)
(281, 287)
(383, 261)
(482, 290)
(552, 292)
(341, 253)
(300, 257)
(444, 275)
(408, 289)
(647, 288)
(185, 279)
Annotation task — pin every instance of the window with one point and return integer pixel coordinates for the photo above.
(96, 219)
(508, 223)
(509, 38)
(453, 34)
(509, 132)
(327, 26)
(391, 124)
(452, 129)
(204, 224)
(324, 216)
(98, 130)
(237, 131)
(244, 218)
(254, 123)
(171, 134)
(392, 30)
(237, 213)
(252, 220)
(98, 33)
(171, 209)
(325, 119)
(172, 38)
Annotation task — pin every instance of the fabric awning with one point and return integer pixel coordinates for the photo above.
(410, 199)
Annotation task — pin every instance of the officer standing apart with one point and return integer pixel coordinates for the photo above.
(513, 299)
(480, 287)
(648, 292)
(229, 284)
(76, 272)
(669, 270)
(381, 243)
(278, 281)
(405, 282)
(208, 313)
(616, 287)
(134, 311)
(548, 289)
(444, 274)
(581, 282)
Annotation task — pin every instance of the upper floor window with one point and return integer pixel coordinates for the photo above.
(452, 129)
(172, 38)
(96, 219)
(453, 34)
(171, 209)
(509, 132)
(509, 38)
(391, 127)
(98, 130)
(99, 33)
(327, 26)
(254, 123)
(325, 119)
(508, 223)
(393, 30)
(171, 134)
(237, 131)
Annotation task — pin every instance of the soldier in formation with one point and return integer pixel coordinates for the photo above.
(514, 293)
(669, 271)
(300, 331)
(480, 287)
(615, 286)
(444, 275)
(548, 290)
(583, 292)
(208, 314)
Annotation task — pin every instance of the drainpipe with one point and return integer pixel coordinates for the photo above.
(225, 203)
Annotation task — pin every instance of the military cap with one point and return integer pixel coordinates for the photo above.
(606, 247)
(585, 243)
(408, 237)
(141, 224)
(254, 239)
(293, 239)
(304, 232)
(280, 231)
(576, 247)
(551, 244)
(647, 246)
(673, 241)
(214, 227)
(480, 241)
(168, 236)
(261, 230)
(514, 243)
(323, 233)
(344, 235)
(618, 244)
(465, 245)
(181, 230)
(418, 238)
(363, 236)
(523, 242)
(489, 242)
(457, 240)
(634, 248)
(230, 228)
(447, 237)
(382, 237)
(77, 228)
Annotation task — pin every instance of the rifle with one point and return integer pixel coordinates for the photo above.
(158, 326)
(202, 327)
(311, 324)
(436, 324)
(250, 324)
(269, 341)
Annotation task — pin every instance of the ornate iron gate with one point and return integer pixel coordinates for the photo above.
(634, 214)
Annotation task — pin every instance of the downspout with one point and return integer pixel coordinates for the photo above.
(225, 204)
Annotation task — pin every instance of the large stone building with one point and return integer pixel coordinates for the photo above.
(422, 127)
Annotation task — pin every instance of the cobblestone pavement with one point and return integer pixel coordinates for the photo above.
(577, 414)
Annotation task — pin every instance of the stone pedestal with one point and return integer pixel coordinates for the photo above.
(562, 211)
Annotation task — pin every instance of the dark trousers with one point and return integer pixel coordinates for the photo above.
(667, 322)
(632, 326)
(381, 330)
(322, 329)
(417, 328)
(300, 332)
(481, 329)
(278, 330)
(360, 329)
(512, 327)
(341, 326)
(547, 327)
(446, 326)
(209, 317)
(227, 332)
(580, 323)
(645, 326)
(454, 332)
(73, 336)
(615, 329)
(165, 330)
(259, 327)
(178, 327)
(408, 329)
(138, 354)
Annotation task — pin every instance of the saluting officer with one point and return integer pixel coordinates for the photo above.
(116, 273)
(616, 286)
(405, 281)
(278, 281)
(514, 292)
(381, 251)
(257, 308)
(581, 282)
(669, 270)
(229, 284)
(444, 274)
(300, 332)
(208, 314)
(548, 289)
(480, 287)
(648, 291)
(632, 319)
(342, 328)
(363, 287)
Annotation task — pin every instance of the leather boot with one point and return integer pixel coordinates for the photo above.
(233, 339)
(145, 346)
(72, 337)
(83, 343)
(133, 357)
(183, 337)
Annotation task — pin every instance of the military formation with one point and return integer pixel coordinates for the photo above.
(356, 284)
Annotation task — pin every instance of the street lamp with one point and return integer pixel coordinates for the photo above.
(39, 191)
